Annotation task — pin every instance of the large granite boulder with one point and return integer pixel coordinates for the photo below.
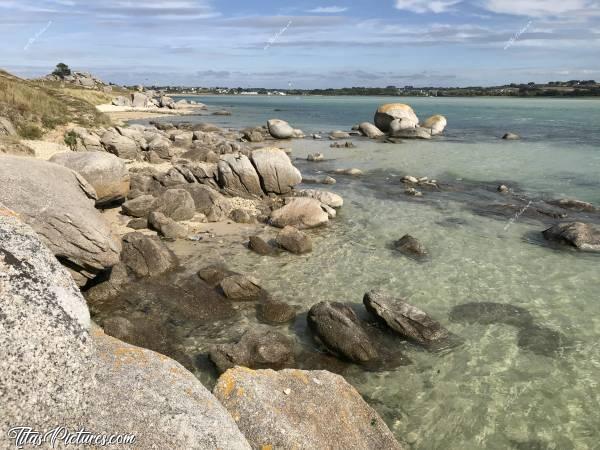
(302, 212)
(583, 236)
(60, 371)
(387, 113)
(436, 124)
(140, 206)
(337, 327)
(406, 320)
(166, 227)
(44, 343)
(277, 173)
(238, 176)
(280, 129)
(177, 204)
(122, 146)
(208, 201)
(59, 205)
(256, 349)
(295, 409)
(107, 174)
(146, 256)
(170, 408)
(139, 100)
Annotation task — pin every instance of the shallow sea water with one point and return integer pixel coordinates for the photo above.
(489, 392)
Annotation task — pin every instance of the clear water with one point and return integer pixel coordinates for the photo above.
(489, 393)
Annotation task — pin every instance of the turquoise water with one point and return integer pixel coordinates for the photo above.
(491, 392)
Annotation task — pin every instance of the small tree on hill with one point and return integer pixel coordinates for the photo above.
(62, 70)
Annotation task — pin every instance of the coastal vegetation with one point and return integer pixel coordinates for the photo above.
(34, 108)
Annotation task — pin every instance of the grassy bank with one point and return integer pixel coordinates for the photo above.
(34, 108)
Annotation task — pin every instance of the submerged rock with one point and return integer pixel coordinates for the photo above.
(541, 341)
(573, 204)
(511, 137)
(410, 133)
(583, 236)
(405, 319)
(410, 246)
(256, 350)
(337, 327)
(487, 313)
(275, 312)
(260, 246)
(241, 288)
(294, 240)
(294, 409)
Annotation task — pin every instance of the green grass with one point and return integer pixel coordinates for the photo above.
(34, 108)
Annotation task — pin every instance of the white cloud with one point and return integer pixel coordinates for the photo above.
(424, 6)
(543, 8)
(328, 9)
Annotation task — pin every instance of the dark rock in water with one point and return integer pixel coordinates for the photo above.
(541, 341)
(575, 205)
(146, 256)
(214, 274)
(256, 350)
(311, 360)
(404, 319)
(294, 241)
(242, 288)
(338, 328)
(487, 313)
(577, 234)
(260, 246)
(511, 137)
(410, 246)
(276, 312)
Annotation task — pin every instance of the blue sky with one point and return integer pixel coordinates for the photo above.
(305, 43)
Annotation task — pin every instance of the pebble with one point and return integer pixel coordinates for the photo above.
(412, 438)
(287, 391)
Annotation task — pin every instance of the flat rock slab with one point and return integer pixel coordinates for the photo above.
(59, 205)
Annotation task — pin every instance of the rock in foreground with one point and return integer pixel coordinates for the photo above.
(301, 409)
(277, 173)
(404, 319)
(583, 236)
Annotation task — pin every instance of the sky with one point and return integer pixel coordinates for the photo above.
(305, 43)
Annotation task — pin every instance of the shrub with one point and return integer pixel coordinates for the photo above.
(30, 131)
(71, 140)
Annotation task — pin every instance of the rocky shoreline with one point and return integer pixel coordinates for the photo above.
(122, 211)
